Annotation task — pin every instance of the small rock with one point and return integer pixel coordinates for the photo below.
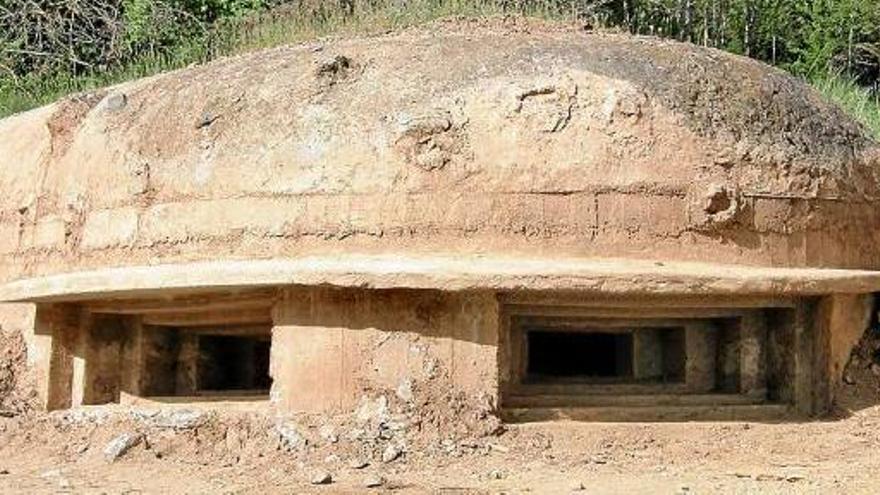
(358, 463)
(875, 369)
(291, 439)
(52, 473)
(404, 390)
(495, 474)
(80, 416)
(4, 472)
(208, 117)
(329, 434)
(848, 379)
(577, 486)
(120, 445)
(334, 66)
(116, 102)
(179, 419)
(391, 453)
(372, 410)
(499, 448)
(356, 434)
(331, 459)
(374, 481)
(322, 478)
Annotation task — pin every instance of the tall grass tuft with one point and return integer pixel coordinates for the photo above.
(858, 102)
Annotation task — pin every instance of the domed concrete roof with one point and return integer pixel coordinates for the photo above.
(483, 139)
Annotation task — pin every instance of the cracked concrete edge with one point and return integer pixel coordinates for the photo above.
(443, 272)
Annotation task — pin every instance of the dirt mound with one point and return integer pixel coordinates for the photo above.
(16, 391)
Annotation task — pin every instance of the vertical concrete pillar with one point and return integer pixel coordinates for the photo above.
(701, 340)
(753, 356)
(134, 358)
(804, 332)
(647, 354)
(187, 379)
(102, 339)
(56, 334)
(307, 353)
(81, 344)
(160, 352)
(330, 347)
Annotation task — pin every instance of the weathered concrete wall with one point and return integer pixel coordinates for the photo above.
(59, 372)
(842, 320)
(518, 143)
(332, 347)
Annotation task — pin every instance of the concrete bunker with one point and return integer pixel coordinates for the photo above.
(538, 356)
(604, 236)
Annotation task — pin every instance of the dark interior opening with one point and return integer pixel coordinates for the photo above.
(560, 354)
(233, 363)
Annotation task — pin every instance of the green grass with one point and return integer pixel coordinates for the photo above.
(855, 100)
(292, 25)
(264, 30)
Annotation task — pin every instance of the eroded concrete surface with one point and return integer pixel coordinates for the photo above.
(462, 139)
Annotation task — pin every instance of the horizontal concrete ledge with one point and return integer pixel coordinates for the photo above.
(443, 272)
(613, 414)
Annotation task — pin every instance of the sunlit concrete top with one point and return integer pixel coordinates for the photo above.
(607, 276)
(493, 141)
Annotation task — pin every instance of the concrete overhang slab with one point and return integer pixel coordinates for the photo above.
(442, 272)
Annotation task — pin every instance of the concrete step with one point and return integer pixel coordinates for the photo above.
(641, 400)
(752, 412)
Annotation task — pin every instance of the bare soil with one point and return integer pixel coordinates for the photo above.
(16, 393)
(228, 450)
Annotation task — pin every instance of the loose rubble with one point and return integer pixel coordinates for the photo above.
(121, 444)
(291, 438)
(374, 481)
(322, 478)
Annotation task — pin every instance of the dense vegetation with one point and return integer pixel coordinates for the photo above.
(52, 47)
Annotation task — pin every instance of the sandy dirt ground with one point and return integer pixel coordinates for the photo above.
(837, 456)
(431, 448)
(65, 454)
